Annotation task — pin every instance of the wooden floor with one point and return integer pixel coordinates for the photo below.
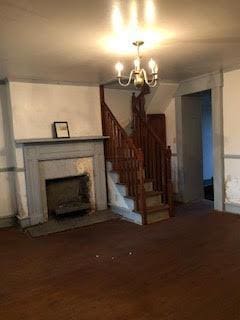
(185, 268)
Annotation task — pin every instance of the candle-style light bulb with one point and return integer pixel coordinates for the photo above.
(119, 68)
(137, 64)
(152, 65)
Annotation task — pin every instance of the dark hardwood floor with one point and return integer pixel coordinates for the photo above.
(185, 268)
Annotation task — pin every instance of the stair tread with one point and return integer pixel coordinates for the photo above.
(129, 197)
(153, 193)
(157, 208)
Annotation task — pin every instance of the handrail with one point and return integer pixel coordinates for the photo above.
(127, 159)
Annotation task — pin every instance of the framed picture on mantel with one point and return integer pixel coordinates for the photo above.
(61, 129)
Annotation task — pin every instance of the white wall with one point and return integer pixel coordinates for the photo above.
(7, 189)
(231, 113)
(36, 106)
(119, 102)
(160, 97)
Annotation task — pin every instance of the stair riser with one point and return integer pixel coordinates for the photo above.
(157, 216)
(154, 201)
(130, 203)
(148, 186)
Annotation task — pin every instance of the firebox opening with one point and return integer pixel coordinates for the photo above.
(68, 196)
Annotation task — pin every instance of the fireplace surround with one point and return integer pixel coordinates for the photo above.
(46, 159)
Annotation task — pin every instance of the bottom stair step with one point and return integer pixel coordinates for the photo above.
(158, 213)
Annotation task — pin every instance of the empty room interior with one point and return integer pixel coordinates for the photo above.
(119, 160)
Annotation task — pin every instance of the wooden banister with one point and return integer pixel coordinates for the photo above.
(127, 159)
(157, 158)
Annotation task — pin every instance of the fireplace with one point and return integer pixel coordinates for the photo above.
(68, 196)
(74, 167)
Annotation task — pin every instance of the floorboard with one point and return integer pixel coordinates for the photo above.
(184, 268)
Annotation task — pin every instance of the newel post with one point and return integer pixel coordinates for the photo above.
(169, 181)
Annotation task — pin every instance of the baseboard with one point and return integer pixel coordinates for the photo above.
(24, 222)
(6, 222)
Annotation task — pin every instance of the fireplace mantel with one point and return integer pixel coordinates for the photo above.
(59, 140)
(31, 191)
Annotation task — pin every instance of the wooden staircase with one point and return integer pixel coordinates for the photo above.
(138, 166)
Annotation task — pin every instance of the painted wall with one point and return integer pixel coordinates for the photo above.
(231, 112)
(36, 106)
(119, 101)
(7, 185)
(160, 97)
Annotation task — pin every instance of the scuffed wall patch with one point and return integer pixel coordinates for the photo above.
(232, 189)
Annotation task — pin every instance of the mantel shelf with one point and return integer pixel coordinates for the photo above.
(60, 140)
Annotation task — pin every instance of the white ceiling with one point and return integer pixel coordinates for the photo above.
(59, 40)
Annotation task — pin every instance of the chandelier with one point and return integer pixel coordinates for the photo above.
(138, 74)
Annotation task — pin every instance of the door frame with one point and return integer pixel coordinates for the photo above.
(213, 82)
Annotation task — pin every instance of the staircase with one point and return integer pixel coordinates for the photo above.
(138, 167)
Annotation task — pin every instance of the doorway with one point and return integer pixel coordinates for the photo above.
(214, 82)
(197, 146)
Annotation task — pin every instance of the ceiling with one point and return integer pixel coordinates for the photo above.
(78, 41)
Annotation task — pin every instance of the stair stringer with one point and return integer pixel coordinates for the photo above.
(118, 200)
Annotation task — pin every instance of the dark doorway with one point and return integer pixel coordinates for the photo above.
(207, 144)
(158, 124)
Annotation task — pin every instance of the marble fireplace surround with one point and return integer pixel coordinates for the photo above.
(82, 152)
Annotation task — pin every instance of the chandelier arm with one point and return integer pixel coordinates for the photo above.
(127, 83)
(151, 83)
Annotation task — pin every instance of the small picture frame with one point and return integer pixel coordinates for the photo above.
(61, 129)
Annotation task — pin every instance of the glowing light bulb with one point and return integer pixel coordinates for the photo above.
(137, 64)
(119, 68)
(152, 65)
